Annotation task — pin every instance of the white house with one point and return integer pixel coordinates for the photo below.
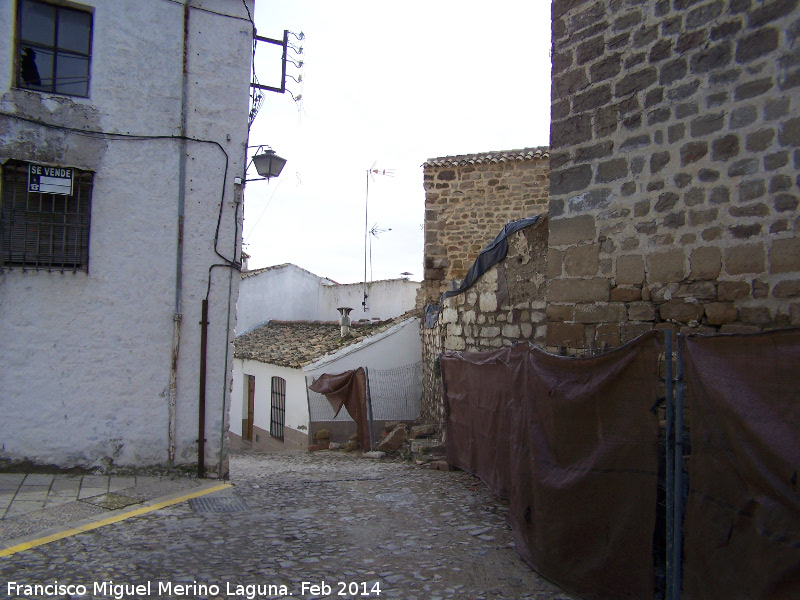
(270, 403)
(288, 293)
(123, 130)
(289, 326)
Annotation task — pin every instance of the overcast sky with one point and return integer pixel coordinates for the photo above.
(391, 84)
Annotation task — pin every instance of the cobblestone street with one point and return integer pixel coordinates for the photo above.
(290, 522)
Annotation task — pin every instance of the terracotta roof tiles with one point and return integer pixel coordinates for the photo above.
(297, 343)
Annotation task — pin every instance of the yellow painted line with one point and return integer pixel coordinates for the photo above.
(107, 521)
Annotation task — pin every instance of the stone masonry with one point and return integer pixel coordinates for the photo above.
(504, 306)
(468, 200)
(675, 148)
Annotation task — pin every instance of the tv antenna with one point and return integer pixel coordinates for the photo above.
(371, 173)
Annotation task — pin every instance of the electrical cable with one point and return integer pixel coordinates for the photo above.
(138, 137)
(249, 16)
(252, 230)
(214, 12)
(228, 264)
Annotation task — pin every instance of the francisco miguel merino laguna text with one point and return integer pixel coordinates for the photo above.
(121, 591)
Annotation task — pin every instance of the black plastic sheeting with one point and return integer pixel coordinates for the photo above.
(489, 256)
(573, 444)
(742, 527)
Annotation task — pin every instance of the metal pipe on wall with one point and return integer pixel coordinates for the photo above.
(201, 427)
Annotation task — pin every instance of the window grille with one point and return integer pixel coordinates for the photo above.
(278, 412)
(54, 48)
(40, 230)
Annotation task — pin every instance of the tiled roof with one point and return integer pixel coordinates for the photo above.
(540, 153)
(297, 343)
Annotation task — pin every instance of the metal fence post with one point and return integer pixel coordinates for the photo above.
(670, 468)
(678, 503)
(369, 412)
(309, 381)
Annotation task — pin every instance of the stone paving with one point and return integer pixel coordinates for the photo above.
(299, 525)
(21, 494)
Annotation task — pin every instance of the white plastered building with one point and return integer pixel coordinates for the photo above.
(289, 330)
(143, 106)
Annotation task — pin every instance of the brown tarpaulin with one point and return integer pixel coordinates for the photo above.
(742, 526)
(573, 444)
(348, 389)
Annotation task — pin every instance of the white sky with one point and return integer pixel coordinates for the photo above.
(390, 83)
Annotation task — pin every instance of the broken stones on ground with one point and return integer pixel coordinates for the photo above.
(394, 440)
(441, 465)
(350, 446)
(422, 431)
(426, 446)
(392, 425)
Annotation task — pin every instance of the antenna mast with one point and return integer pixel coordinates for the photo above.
(371, 172)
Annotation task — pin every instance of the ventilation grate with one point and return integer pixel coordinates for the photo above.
(223, 504)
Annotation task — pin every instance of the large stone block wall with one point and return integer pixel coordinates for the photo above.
(468, 200)
(675, 146)
(505, 306)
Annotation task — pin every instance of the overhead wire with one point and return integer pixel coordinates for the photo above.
(140, 137)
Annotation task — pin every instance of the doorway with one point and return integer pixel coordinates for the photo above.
(249, 408)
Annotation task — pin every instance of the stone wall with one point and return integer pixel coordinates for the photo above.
(468, 199)
(675, 144)
(432, 409)
(504, 306)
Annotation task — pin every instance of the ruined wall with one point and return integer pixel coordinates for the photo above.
(674, 156)
(505, 306)
(468, 199)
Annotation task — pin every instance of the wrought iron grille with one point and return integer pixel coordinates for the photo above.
(40, 230)
(278, 410)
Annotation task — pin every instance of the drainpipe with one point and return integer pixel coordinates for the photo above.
(178, 317)
(238, 199)
(201, 417)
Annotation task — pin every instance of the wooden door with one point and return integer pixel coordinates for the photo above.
(247, 428)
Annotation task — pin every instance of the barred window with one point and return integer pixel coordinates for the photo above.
(278, 412)
(40, 230)
(54, 48)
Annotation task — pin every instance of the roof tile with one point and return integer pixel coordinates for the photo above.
(295, 344)
(539, 153)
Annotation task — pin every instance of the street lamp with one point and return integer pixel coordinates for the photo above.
(268, 164)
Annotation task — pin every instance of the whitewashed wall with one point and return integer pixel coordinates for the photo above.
(392, 348)
(296, 400)
(387, 299)
(289, 293)
(283, 293)
(85, 358)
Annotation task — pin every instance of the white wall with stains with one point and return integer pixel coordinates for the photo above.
(86, 373)
(290, 293)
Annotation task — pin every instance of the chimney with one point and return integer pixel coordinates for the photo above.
(344, 320)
